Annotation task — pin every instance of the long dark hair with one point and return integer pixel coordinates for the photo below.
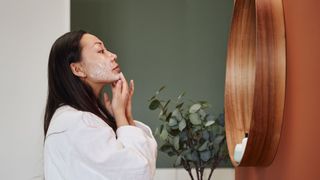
(64, 88)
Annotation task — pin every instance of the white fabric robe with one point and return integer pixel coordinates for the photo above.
(81, 146)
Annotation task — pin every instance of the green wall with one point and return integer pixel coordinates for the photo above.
(178, 43)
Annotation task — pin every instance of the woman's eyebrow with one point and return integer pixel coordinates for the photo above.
(99, 43)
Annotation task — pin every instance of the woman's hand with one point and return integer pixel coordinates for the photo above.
(115, 107)
(120, 96)
(129, 105)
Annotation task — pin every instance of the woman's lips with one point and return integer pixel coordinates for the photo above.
(117, 68)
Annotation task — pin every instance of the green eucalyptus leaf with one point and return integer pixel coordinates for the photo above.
(178, 161)
(181, 95)
(202, 114)
(194, 108)
(205, 135)
(182, 124)
(179, 105)
(183, 136)
(205, 155)
(154, 104)
(194, 119)
(186, 151)
(219, 129)
(177, 114)
(169, 116)
(217, 142)
(166, 148)
(157, 132)
(188, 156)
(195, 156)
(164, 134)
(175, 127)
(176, 142)
(204, 104)
(171, 153)
(219, 139)
(170, 140)
(162, 117)
(161, 88)
(172, 122)
(204, 146)
(209, 123)
(196, 128)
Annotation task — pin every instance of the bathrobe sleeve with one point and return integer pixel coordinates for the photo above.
(100, 153)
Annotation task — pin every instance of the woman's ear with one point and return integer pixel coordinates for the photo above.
(77, 69)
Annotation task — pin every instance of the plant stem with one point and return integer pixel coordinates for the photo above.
(214, 166)
(190, 174)
(197, 171)
(188, 168)
(201, 172)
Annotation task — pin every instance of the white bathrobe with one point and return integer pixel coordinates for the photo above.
(81, 146)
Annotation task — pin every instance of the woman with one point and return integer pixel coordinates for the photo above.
(84, 138)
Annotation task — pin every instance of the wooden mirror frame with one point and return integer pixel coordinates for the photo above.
(255, 80)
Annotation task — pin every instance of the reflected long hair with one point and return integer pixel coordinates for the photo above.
(64, 88)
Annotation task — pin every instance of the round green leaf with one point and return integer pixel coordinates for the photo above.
(204, 104)
(204, 146)
(196, 128)
(195, 156)
(194, 119)
(154, 104)
(205, 155)
(202, 113)
(176, 142)
(176, 113)
(179, 105)
(182, 124)
(172, 122)
(194, 108)
(164, 134)
(209, 123)
(157, 132)
(178, 161)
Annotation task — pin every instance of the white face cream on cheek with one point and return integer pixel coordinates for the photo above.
(101, 72)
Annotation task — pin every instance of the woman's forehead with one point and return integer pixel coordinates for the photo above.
(89, 41)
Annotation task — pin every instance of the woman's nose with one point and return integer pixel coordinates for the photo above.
(113, 56)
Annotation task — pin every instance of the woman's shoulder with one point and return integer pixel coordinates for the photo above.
(67, 117)
(63, 118)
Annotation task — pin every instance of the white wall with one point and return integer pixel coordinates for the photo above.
(27, 30)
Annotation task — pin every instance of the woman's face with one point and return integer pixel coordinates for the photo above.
(99, 64)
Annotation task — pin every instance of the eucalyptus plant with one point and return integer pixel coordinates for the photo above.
(190, 133)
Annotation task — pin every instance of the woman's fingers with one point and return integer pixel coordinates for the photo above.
(129, 105)
(131, 88)
(116, 87)
(124, 84)
(118, 102)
